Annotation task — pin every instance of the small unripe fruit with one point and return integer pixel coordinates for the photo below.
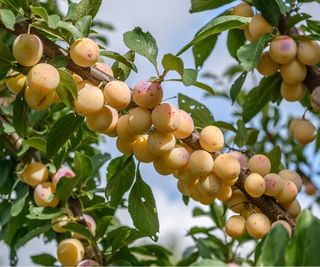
(43, 79)
(16, 84)
(70, 252)
(44, 195)
(242, 158)
(147, 94)
(248, 35)
(292, 176)
(283, 49)
(237, 202)
(227, 167)
(27, 49)
(267, 67)
(200, 163)
(304, 131)
(235, 226)
(186, 125)
(186, 176)
(166, 118)
(310, 189)
(139, 120)
(292, 93)
(210, 184)
(177, 158)
(288, 193)
(104, 119)
(62, 172)
(35, 173)
(284, 224)
(125, 147)
(58, 223)
(38, 102)
(315, 99)
(211, 139)
(88, 263)
(255, 185)
(259, 26)
(90, 100)
(293, 208)
(141, 150)
(90, 224)
(257, 225)
(84, 52)
(160, 143)
(161, 167)
(123, 130)
(293, 73)
(309, 52)
(104, 68)
(117, 94)
(274, 184)
(259, 164)
(225, 193)
(243, 10)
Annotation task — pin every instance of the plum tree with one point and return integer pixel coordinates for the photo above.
(70, 252)
(294, 72)
(160, 143)
(255, 185)
(16, 83)
(235, 226)
(227, 167)
(308, 52)
(141, 150)
(117, 94)
(200, 163)
(166, 118)
(303, 131)
(283, 49)
(147, 94)
(211, 139)
(177, 158)
(139, 120)
(62, 172)
(257, 225)
(35, 173)
(27, 49)
(259, 26)
(84, 52)
(38, 102)
(274, 184)
(44, 195)
(43, 79)
(267, 66)
(293, 92)
(260, 164)
(105, 119)
(186, 125)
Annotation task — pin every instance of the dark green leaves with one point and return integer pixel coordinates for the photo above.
(83, 166)
(22, 192)
(202, 50)
(120, 176)
(67, 88)
(43, 259)
(249, 54)
(40, 213)
(61, 131)
(237, 86)
(119, 58)
(236, 39)
(271, 10)
(20, 115)
(201, 5)
(200, 114)
(34, 233)
(142, 43)
(171, 62)
(142, 208)
(8, 18)
(189, 77)
(120, 70)
(275, 158)
(85, 7)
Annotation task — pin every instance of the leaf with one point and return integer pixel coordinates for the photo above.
(200, 114)
(120, 176)
(201, 5)
(217, 25)
(22, 192)
(83, 166)
(59, 62)
(98, 161)
(122, 71)
(202, 50)
(65, 187)
(235, 40)
(43, 259)
(142, 43)
(275, 158)
(8, 18)
(69, 27)
(30, 235)
(189, 77)
(270, 10)
(40, 213)
(80, 229)
(249, 54)
(237, 86)
(142, 208)
(67, 88)
(84, 25)
(172, 62)
(86, 7)
(122, 59)
(209, 262)
(5, 53)
(260, 96)
(61, 131)
(205, 87)
(20, 115)
(225, 125)
(40, 12)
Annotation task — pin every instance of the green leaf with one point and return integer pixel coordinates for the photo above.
(30, 235)
(275, 158)
(8, 18)
(303, 249)
(120, 176)
(189, 77)
(84, 25)
(270, 10)
(67, 89)
(61, 131)
(142, 208)
(205, 87)
(83, 166)
(80, 229)
(121, 59)
(69, 27)
(216, 26)
(5, 53)
(122, 71)
(53, 21)
(142, 43)
(40, 12)
(86, 7)
(200, 114)
(201, 5)
(237, 86)
(236, 39)
(202, 50)
(249, 54)
(40, 213)
(65, 187)
(20, 115)
(209, 262)
(225, 125)
(22, 192)
(260, 96)
(43, 259)
(98, 161)
(172, 62)
(59, 62)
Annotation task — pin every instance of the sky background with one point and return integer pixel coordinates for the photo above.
(170, 22)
